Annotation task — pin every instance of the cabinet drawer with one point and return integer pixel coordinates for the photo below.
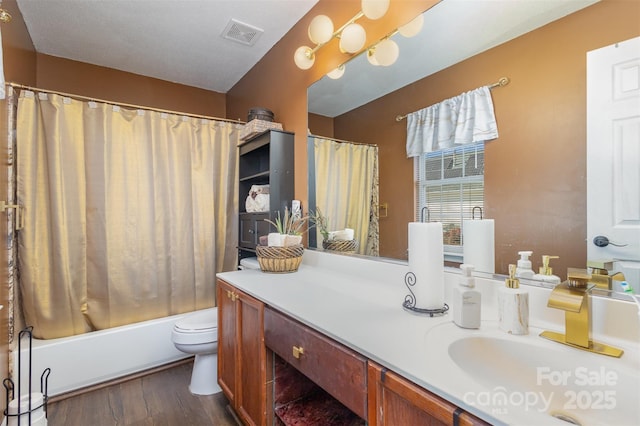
(337, 369)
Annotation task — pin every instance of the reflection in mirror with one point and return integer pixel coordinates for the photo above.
(344, 201)
(534, 172)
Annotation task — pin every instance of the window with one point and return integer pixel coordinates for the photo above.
(450, 183)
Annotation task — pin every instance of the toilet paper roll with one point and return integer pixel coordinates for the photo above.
(426, 261)
(38, 417)
(478, 244)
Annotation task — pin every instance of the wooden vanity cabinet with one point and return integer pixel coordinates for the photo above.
(393, 401)
(337, 369)
(242, 361)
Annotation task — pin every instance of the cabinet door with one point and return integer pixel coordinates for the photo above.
(394, 401)
(227, 338)
(251, 401)
(252, 227)
(241, 353)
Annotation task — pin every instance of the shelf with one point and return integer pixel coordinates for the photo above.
(318, 408)
(255, 176)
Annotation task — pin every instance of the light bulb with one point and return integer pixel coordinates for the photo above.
(304, 57)
(371, 56)
(412, 28)
(336, 73)
(352, 38)
(320, 29)
(375, 9)
(387, 52)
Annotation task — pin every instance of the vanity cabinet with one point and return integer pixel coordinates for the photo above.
(264, 159)
(337, 369)
(394, 400)
(242, 361)
(276, 370)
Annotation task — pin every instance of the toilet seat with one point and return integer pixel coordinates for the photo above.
(197, 328)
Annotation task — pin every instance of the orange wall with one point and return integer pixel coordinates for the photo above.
(535, 172)
(80, 78)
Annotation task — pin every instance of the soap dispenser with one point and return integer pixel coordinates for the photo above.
(513, 305)
(524, 265)
(546, 272)
(466, 300)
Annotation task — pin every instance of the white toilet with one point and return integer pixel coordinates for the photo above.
(197, 334)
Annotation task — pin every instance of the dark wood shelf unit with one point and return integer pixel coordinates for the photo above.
(264, 159)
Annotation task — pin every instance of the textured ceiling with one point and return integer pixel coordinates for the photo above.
(174, 40)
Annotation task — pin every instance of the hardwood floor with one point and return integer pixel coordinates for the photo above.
(160, 399)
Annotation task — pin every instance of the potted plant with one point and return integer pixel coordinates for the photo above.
(289, 229)
(283, 252)
(332, 240)
(321, 222)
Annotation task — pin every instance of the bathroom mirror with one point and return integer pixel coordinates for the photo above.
(533, 190)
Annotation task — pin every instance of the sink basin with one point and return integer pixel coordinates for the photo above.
(536, 380)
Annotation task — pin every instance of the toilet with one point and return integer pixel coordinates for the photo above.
(197, 333)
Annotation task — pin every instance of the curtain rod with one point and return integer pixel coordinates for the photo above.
(342, 140)
(500, 83)
(121, 104)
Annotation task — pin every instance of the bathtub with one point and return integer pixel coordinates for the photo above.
(91, 358)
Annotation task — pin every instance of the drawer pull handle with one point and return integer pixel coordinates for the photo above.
(297, 351)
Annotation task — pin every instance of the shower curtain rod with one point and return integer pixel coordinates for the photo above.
(121, 104)
(342, 140)
(502, 82)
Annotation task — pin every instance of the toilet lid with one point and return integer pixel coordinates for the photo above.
(203, 320)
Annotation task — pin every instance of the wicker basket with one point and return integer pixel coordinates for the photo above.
(256, 126)
(344, 246)
(280, 259)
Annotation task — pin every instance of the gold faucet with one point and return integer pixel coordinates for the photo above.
(600, 273)
(573, 297)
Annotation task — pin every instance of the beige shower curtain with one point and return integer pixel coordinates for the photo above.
(128, 214)
(347, 189)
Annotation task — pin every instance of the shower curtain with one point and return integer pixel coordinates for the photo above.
(347, 189)
(128, 214)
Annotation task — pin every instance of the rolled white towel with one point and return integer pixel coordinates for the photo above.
(345, 234)
(275, 239)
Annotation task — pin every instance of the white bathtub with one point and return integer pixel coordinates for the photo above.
(87, 359)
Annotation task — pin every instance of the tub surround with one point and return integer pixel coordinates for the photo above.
(102, 355)
(358, 302)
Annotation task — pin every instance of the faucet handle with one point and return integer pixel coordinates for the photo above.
(578, 278)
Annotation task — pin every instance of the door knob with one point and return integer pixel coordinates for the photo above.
(602, 241)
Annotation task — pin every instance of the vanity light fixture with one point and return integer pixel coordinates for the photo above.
(352, 35)
(337, 72)
(385, 51)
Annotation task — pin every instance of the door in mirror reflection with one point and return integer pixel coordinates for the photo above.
(613, 157)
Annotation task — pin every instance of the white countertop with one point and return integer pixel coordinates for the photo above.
(358, 302)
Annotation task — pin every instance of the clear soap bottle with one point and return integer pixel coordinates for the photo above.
(466, 300)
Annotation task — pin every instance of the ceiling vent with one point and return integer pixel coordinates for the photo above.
(241, 32)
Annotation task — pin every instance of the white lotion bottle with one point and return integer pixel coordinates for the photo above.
(466, 300)
(524, 269)
(513, 305)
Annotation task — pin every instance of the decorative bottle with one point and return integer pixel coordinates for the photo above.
(466, 300)
(513, 305)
